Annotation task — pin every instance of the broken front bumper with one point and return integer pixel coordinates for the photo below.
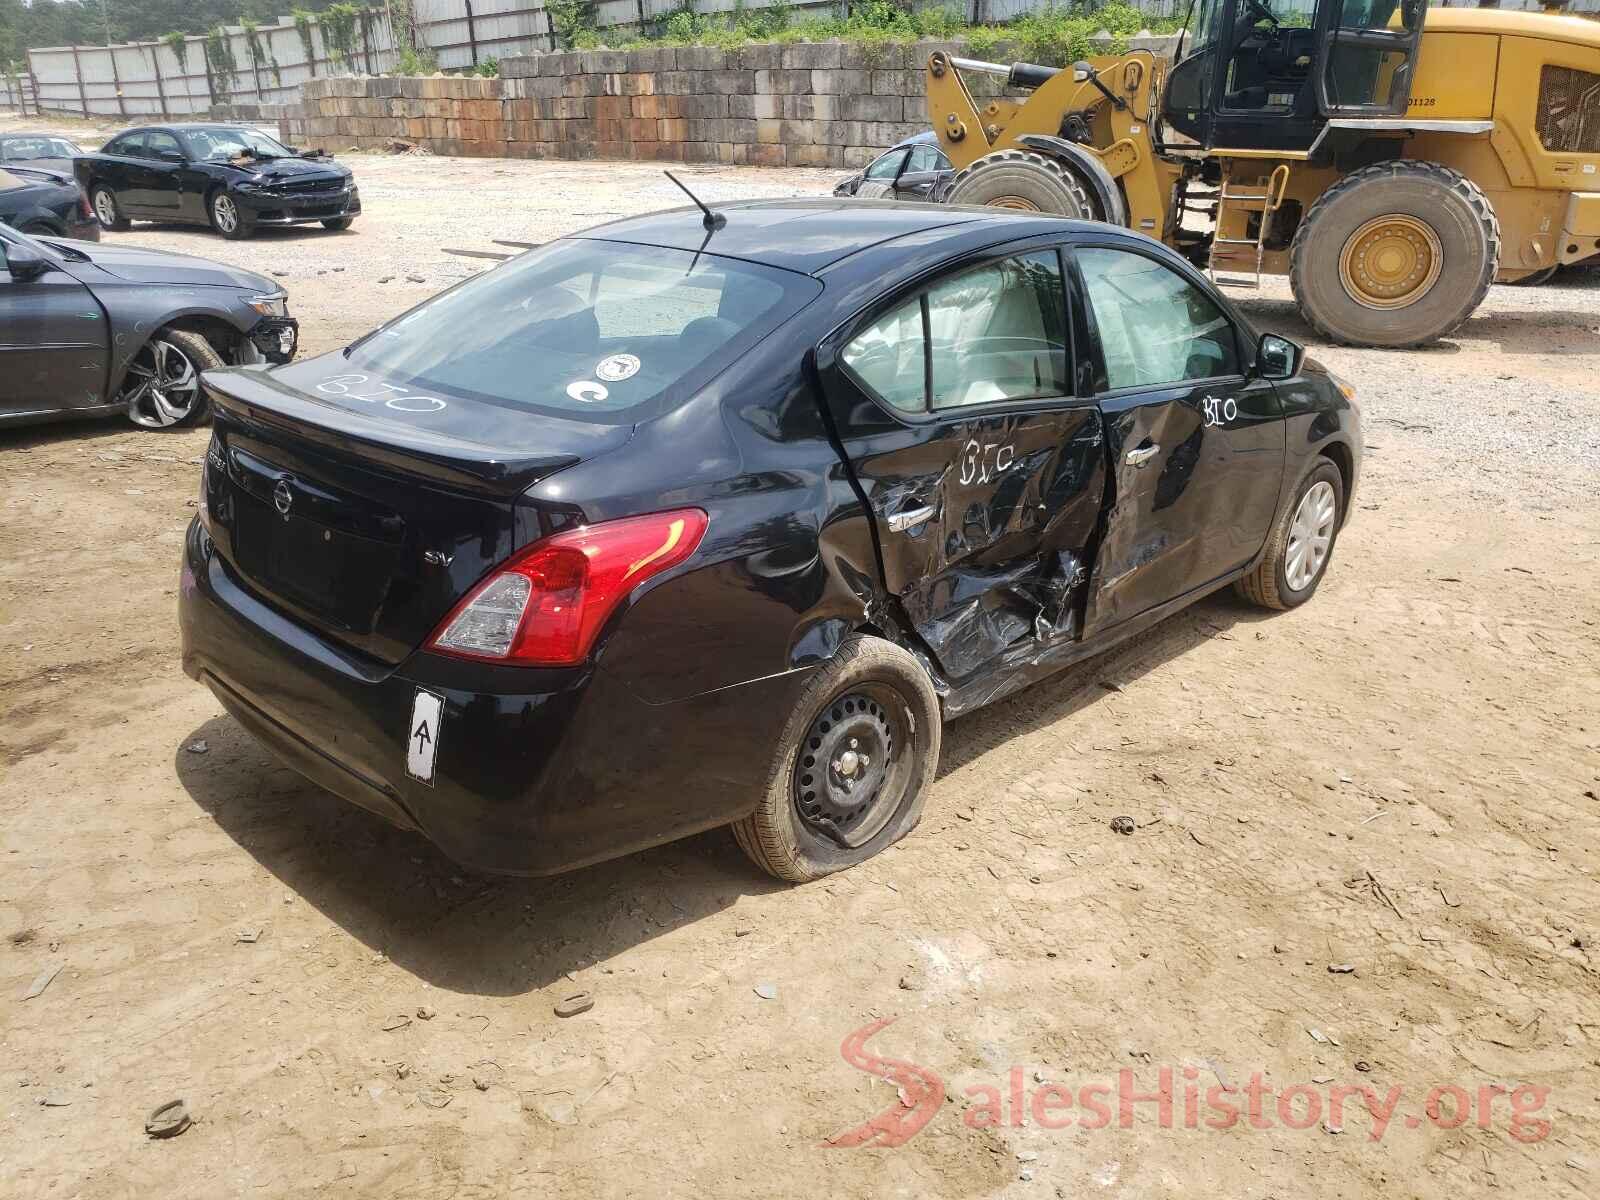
(276, 338)
(299, 208)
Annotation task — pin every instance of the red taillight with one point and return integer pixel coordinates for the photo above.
(546, 605)
(83, 206)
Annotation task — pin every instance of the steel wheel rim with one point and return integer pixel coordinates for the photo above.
(105, 207)
(227, 216)
(163, 386)
(1391, 262)
(1310, 536)
(853, 766)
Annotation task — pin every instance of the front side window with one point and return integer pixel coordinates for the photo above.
(991, 334)
(587, 328)
(161, 144)
(1155, 326)
(887, 166)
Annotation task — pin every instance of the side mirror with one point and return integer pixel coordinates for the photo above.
(171, 156)
(25, 263)
(1277, 357)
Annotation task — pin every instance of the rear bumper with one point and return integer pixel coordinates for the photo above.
(84, 229)
(536, 771)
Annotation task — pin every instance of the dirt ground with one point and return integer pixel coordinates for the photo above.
(1400, 777)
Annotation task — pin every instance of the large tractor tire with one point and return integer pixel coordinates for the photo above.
(1396, 254)
(1023, 180)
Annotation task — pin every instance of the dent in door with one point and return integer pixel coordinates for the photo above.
(1012, 515)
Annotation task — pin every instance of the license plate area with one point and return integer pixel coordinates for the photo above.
(338, 576)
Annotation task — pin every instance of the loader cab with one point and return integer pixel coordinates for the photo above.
(1267, 74)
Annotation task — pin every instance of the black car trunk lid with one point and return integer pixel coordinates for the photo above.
(369, 526)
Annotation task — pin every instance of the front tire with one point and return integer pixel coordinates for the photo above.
(106, 209)
(1301, 544)
(852, 768)
(339, 224)
(227, 218)
(1021, 179)
(1394, 255)
(162, 387)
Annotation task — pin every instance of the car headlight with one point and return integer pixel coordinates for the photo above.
(1346, 388)
(274, 305)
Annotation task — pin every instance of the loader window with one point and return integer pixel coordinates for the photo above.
(1155, 326)
(1371, 44)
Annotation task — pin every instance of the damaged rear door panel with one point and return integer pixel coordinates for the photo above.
(985, 475)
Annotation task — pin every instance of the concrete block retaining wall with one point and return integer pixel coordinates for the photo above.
(815, 104)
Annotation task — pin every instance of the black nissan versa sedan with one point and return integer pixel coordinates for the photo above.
(683, 522)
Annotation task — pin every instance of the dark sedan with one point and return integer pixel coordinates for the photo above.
(230, 177)
(683, 522)
(39, 150)
(94, 331)
(45, 202)
(913, 169)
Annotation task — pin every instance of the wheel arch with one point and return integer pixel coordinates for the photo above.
(1089, 169)
(215, 327)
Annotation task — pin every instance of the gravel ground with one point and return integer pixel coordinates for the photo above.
(1398, 778)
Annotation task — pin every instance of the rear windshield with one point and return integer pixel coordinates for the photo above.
(604, 331)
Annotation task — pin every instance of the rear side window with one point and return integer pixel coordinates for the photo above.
(988, 335)
(999, 333)
(588, 328)
(889, 358)
(127, 144)
(1155, 326)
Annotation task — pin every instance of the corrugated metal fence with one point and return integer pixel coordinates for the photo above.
(268, 66)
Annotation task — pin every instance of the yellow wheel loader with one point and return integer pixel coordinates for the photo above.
(1392, 160)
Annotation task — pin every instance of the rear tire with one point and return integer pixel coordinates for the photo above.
(39, 229)
(1021, 179)
(106, 209)
(871, 709)
(1279, 579)
(1396, 254)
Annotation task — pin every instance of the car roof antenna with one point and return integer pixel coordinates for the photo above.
(713, 220)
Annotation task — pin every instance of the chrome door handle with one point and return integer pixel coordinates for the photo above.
(1138, 458)
(909, 518)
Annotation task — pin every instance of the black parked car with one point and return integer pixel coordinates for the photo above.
(913, 169)
(92, 331)
(664, 526)
(40, 201)
(230, 177)
(38, 150)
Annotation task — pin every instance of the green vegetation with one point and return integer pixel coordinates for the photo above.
(341, 25)
(178, 43)
(1054, 36)
(223, 70)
